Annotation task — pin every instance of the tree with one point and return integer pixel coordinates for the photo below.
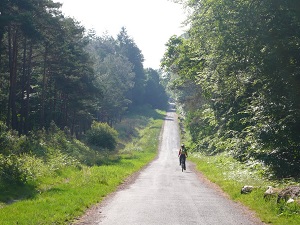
(155, 93)
(241, 56)
(114, 76)
(44, 66)
(129, 49)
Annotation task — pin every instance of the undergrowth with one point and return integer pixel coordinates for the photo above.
(231, 175)
(50, 178)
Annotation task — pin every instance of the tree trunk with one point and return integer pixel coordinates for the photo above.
(1, 37)
(73, 124)
(65, 122)
(44, 84)
(28, 91)
(23, 84)
(13, 52)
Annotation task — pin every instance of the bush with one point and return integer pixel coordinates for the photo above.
(13, 171)
(102, 135)
(4, 140)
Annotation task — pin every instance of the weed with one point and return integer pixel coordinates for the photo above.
(67, 176)
(231, 175)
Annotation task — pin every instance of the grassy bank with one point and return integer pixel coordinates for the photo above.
(65, 194)
(231, 176)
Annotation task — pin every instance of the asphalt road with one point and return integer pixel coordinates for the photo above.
(162, 194)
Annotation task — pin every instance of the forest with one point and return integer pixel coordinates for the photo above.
(236, 74)
(79, 112)
(52, 69)
(60, 83)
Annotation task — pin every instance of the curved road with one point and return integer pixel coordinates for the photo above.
(162, 194)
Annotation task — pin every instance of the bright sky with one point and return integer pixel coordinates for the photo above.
(150, 23)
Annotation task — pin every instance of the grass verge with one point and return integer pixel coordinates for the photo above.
(231, 176)
(61, 197)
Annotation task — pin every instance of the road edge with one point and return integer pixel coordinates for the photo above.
(93, 214)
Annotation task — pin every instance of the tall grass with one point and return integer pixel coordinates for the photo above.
(232, 175)
(60, 196)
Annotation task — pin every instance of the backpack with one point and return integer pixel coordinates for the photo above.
(183, 150)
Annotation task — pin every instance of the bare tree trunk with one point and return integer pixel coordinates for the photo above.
(56, 104)
(28, 91)
(1, 38)
(73, 124)
(44, 84)
(13, 52)
(65, 122)
(23, 84)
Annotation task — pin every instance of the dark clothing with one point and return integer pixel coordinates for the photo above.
(182, 151)
(182, 157)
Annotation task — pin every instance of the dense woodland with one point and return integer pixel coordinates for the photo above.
(63, 90)
(236, 72)
(70, 99)
(52, 69)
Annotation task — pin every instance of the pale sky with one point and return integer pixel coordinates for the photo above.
(150, 23)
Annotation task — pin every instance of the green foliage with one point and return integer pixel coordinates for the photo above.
(52, 71)
(155, 93)
(25, 159)
(231, 175)
(238, 60)
(129, 49)
(12, 170)
(102, 136)
(10, 142)
(63, 176)
(45, 41)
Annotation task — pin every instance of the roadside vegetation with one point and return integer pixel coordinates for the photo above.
(231, 175)
(53, 69)
(234, 75)
(57, 177)
(73, 113)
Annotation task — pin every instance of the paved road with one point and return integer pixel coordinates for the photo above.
(163, 195)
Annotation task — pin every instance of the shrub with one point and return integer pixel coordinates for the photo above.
(102, 135)
(12, 170)
(4, 139)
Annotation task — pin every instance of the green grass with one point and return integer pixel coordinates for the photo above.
(65, 195)
(231, 176)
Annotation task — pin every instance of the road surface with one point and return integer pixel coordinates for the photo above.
(162, 194)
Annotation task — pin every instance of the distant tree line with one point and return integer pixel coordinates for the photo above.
(51, 69)
(236, 72)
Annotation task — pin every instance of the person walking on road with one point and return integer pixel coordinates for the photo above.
(182, 154)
